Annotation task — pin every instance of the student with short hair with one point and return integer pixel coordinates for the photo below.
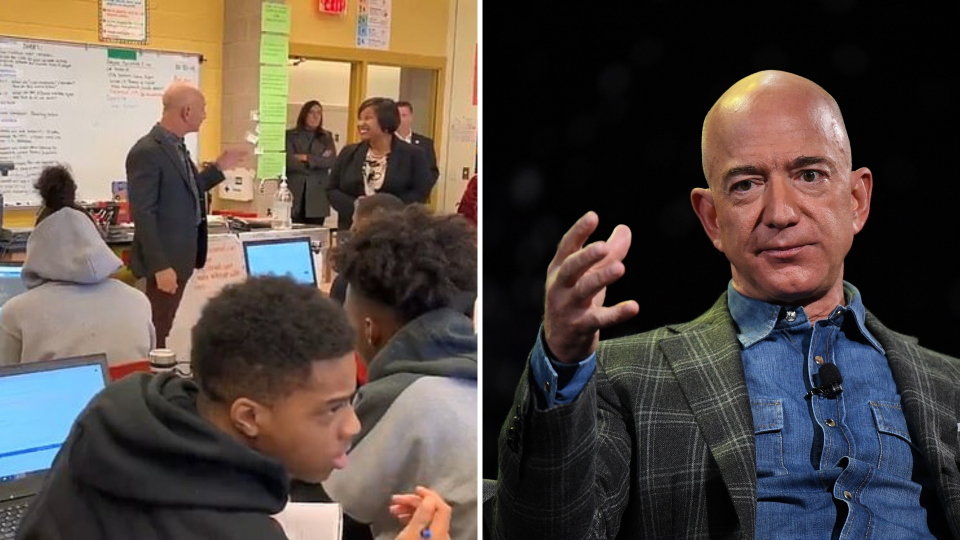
(159, 456)
(408, 274)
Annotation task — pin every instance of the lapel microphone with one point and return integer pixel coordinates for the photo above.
(830, 382)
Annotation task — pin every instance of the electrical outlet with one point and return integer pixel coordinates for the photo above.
(466, 173)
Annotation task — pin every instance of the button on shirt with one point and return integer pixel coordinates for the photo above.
(825, 467)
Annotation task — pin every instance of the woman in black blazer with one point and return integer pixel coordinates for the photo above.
(380, 163)
(311, 152)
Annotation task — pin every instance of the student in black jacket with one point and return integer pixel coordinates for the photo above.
(165, 457)
(380, 163)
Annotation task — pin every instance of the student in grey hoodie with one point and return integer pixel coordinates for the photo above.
(72, 306)
(408, 273)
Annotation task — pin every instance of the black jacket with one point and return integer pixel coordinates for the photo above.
(408, 177)
(426, 143)
(141, 463)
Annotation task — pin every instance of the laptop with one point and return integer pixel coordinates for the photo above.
(11, 284)
(39, 403)
(281, 256)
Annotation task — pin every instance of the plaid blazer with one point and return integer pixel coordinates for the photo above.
(660, 443)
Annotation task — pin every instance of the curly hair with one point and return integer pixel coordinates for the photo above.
(259, 338)
(376, 203)
(57, 188)
(412, 261)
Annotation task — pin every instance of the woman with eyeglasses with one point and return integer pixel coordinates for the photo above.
(379, 163)
(311, 152)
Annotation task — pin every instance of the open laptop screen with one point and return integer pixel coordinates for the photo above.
(281, 256)
(10, 282)
(37, 410)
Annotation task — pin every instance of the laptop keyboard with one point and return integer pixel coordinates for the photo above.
(10, 517)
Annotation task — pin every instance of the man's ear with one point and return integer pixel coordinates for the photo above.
(861, 191)
(703, 205)
(248, 416)
(373, 332)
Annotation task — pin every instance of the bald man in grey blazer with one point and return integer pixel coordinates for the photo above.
(168, 203)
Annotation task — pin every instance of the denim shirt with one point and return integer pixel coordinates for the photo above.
(826, 467)
(843, 467)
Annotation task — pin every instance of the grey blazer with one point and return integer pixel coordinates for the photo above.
(163, 209)
(660, 443)
(308, 181)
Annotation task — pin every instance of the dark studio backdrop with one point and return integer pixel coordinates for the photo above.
(600, 106)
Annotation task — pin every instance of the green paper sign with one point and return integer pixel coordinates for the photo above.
(272, 137)
(274, 49)
(274, 81)
(275, 18)
(271, 164)
(273, 109)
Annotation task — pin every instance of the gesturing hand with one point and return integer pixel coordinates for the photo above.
(577, 280)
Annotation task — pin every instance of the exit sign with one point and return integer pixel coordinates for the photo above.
(336, 7)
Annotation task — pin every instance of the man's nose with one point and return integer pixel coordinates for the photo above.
(352, 426)
(779, 203)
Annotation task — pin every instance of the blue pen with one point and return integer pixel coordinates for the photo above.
(426, 534)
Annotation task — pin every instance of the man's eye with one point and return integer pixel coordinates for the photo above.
(743, 185)
(810, 176)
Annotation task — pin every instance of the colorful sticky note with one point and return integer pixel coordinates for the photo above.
(274, 49)
(271, 164)
(275, 18)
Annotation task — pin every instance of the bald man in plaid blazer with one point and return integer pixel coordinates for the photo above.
(666, 434)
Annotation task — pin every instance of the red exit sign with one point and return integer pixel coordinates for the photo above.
(336, 7)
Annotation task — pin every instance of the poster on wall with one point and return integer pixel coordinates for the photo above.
(123, 21)
(373, 24)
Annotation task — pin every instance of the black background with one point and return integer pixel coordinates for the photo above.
(596, 105)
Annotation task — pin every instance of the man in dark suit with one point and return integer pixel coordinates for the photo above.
(723, 426)
(168, 203)
(405, 133)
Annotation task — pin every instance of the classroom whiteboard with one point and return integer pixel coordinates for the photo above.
(79, 105)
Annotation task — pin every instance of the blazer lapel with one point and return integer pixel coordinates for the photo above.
(705, 357)
(394, 162)
(174, 155)
(928, 396)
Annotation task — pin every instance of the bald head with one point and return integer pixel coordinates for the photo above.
(179, 95)
(774, 101)
(184, 108)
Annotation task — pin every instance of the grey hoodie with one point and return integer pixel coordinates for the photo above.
(418, 414)
(72, 307)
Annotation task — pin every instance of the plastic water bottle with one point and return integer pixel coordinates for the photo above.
(282, 206)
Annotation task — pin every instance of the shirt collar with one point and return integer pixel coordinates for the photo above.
(169, 135)
(407, 139)
(756, 319)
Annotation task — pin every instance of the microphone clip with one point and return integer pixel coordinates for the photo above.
(830, 391)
